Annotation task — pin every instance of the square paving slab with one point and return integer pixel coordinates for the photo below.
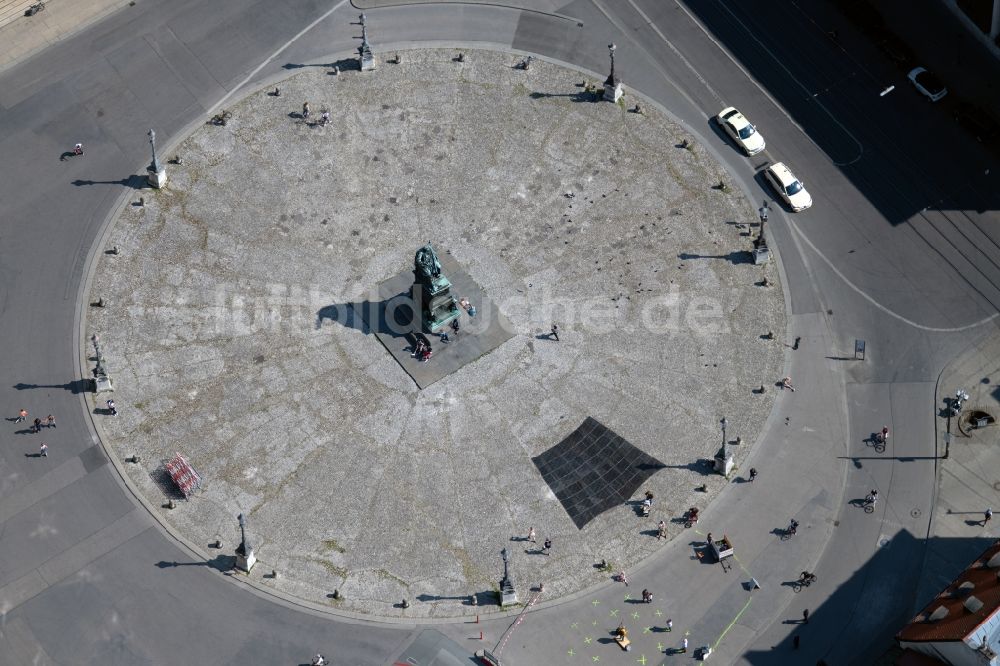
(594, 470)
(396, 330)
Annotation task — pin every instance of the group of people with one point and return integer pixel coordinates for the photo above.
(49, 421)
(422, 350)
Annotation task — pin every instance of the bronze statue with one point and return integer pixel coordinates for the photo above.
(425, 263)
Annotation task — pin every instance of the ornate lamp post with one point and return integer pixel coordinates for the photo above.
(365, 57)
(508, 595)
(102, 381)
(245, 558)
(612, 85)
(157, 175)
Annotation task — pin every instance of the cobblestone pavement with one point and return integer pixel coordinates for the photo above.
(564, 209)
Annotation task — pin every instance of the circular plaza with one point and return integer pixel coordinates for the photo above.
(236, 326)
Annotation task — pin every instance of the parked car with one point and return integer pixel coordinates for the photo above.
(788, 187)
(739, 128)
(927, 84)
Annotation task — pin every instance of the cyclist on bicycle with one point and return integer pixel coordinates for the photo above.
(872, 497)
(807, 577)
(793, 527)
(882, 436)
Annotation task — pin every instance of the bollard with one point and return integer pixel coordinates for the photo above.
(115, 250)
(134, 459)
(142, 201)
(217, 544)
(477, 618)
(405, 604)
(100, 303)
(274, 574)
(336, 594)
(170, 505)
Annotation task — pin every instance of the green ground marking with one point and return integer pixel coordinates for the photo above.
(570, 652)
(647, 630)
(642, 660)
(658, 613)
(588, 640)
(730, 626)
(614, 613)
(635, 615)
(595, 602)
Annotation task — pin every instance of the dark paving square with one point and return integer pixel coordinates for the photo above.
(593, 470)
(391, 319)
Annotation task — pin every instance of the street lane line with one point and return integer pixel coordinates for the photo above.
(238, 87)
(932, 329)
(778, 106)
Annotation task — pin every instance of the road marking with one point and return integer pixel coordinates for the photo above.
(778, 106)
(274, 55)
(933, 329)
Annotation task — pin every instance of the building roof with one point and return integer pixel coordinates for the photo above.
(967, 602)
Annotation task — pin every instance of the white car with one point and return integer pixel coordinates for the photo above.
(927, 84)
(788, 187)
(744, 134)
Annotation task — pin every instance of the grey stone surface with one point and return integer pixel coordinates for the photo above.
(562, 209)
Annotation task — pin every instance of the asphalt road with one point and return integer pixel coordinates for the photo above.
(897, 250)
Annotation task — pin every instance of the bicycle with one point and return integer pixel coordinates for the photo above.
(35, 8)
(790, 531)
(877, 442)
(869, 504)
(805, 580)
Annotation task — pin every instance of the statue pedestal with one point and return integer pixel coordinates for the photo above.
(761, 255)
(157, 179)
(366, 59)
(724, 464)
(508, 596)
(102, 383)
(612, 91)
(245, 558)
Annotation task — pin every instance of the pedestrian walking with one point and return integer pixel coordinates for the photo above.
(547, 546)
(753, 474)
(647, 597)
(21, 416)
(555, 332)
(43, 450)
(795, 345)
(684, 644)
(795, 641)
(455, 325)
(37, 425)
(622, 577)
(324, 117)
(78, 149)
(531, 534)
(50, 421)
(987, 516)
(786, 383)
(661, 530)
(112, 408)
(670, 624)
(305, 110)
(805, 616)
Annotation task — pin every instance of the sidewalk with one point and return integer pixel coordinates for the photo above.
(968, 483)
(23, 36)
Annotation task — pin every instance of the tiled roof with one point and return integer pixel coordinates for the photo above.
(965, 604)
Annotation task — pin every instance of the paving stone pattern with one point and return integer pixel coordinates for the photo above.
(562, 209)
